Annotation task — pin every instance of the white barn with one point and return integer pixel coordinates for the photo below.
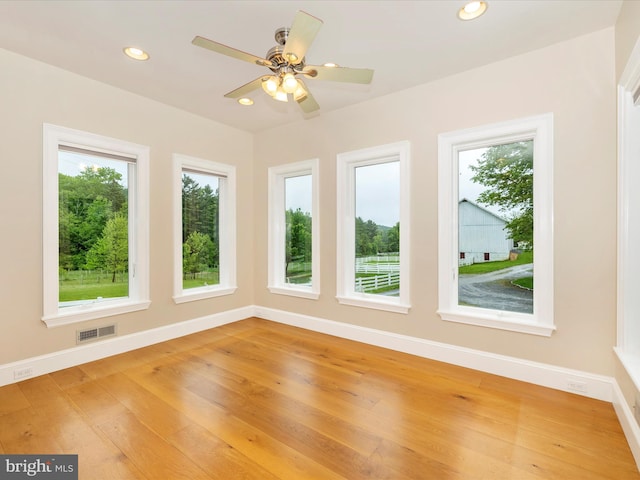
(481, 234)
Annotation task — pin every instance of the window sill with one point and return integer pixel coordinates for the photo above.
(383, 303)
(295, 292)
(202, 293)
(92, 311)
(631, 364)
(498, 320)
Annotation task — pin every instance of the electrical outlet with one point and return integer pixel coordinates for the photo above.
(636, 408)
(21, 373)
(577, 386)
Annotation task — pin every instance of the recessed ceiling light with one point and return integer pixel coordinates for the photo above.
(245, 101)
(331, 65)
(135, 53)
(472, 10)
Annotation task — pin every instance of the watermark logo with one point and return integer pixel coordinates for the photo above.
(49, 467)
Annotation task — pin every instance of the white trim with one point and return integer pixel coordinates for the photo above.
(631, 363)
(138, 299)
(628, 145)
(627, 421)
(277, 228)
(540, 129)
(376, 302)
(630, 77)
(55, 361)
(346, 163)
(226, 228)
(628, 349)
(94, 310)
(551, 376)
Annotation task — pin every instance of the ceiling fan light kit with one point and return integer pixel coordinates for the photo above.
(287, 64)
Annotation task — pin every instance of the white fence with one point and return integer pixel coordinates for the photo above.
(386, 269)
(377, 267)
(369, 284)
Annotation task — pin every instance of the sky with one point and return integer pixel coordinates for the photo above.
(298, 193)
(204, 179)
(72, 163)
(378, 193)
(466, 188)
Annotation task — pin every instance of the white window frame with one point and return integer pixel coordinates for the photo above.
(138, 298)
(540, 130)
(278, 230)
(628, 305)
(226, 226)
(346, 209)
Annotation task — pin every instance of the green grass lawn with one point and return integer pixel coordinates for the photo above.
(526, 282)
(87, 285)
(487, 267)
(69, 293)
(204, 278)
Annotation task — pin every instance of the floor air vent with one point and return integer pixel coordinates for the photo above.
(91, 334)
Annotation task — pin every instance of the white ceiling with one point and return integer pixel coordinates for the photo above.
(406, 42)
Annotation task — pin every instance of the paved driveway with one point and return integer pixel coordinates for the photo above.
(494, 290)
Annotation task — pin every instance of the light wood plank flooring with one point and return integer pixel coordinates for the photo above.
(259, 400)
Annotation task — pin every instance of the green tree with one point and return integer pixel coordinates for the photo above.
(507, 172)
(200, 213)
(393, 238)
(111, 251)
(86, 202)
(366, 237)
(195, 253)
(298, 237)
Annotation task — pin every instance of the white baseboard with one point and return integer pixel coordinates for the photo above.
(594, 386)
(94, 351)
(559, 378)
(627, 421)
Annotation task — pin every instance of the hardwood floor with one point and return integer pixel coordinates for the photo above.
(260, 400)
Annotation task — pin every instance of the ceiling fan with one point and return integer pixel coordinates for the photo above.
(287, 64)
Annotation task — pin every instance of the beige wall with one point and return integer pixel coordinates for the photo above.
(32, 93)
(574, 80)
(627, 33)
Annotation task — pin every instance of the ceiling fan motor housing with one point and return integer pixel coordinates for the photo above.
(276, 57)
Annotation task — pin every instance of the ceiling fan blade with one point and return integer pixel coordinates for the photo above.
(229, 51)
(246, 88)
(304, 29)
(339, 74)
(306, 101)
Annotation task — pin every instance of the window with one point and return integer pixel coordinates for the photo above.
(294, 230)
(628, 301)
(95, 226)
(373, 228)
(496, 205)
(204, 229)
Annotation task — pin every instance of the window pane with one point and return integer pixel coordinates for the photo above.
(495, 227)
(93, 259)
(377, 229)
(298, 198)
(200, 229)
